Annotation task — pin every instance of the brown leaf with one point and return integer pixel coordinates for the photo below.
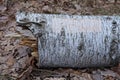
(2, 8)
(1, 33)
(10, 61)
(28, 42)
(79, 78)
(47, 9)
(116, 69)
(108, 73)
(3, 59)
(54, 79)
(9, 48)
(97, 76)
(87, 76)
(3, 19)
(34, 54)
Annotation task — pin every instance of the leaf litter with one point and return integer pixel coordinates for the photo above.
(18, 51)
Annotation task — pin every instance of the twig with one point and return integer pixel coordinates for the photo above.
(24, 73)
(29, 69)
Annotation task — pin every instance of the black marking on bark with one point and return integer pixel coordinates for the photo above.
(62, 35)
(114, 44)
(108, 18)
(81, 47)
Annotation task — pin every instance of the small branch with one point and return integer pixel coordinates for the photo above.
(25, 73)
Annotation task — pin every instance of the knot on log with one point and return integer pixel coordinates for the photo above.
(37, 28)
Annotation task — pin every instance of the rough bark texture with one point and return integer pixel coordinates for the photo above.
(75, 41)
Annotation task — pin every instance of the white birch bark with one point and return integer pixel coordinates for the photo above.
(76, 41)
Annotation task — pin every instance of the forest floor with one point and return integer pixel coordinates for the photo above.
(18, 47)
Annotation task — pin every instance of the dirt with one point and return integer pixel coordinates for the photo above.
(18, 47)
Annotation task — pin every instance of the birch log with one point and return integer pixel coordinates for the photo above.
(75, 41)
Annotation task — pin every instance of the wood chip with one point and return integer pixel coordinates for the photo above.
(13, 35)
(34, 54)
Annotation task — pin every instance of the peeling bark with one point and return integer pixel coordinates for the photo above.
(76, 41)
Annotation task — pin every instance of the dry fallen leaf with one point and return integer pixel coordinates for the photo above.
(87, 76)
(1, 33)
(30, 42)
(10, 61)
(47, 9)
(54, 79)
(3, 19)
(108, 73)
(78, 78)
(34, 54)
(33, 6)
(2, 8)
(33, 45)
(9, 48)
